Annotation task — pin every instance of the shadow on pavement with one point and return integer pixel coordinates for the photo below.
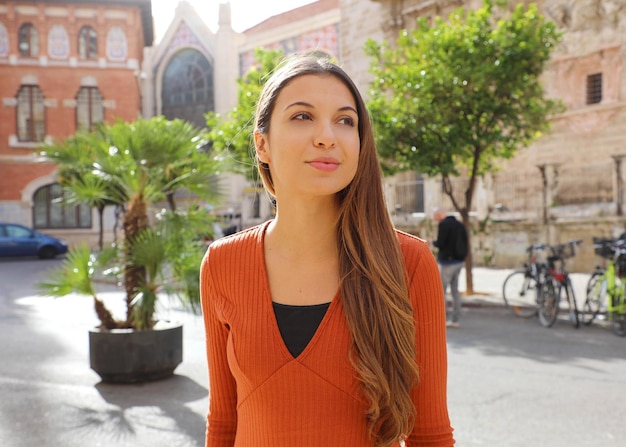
(498, 332)
(131, 411)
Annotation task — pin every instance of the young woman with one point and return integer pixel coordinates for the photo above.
(325, 327)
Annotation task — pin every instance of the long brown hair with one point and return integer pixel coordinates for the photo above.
(373, 278)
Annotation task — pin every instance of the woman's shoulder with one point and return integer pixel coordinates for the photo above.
(235, 246)
(414, 249)
(410, 243)
(246, 236)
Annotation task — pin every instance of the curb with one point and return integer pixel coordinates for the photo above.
(482, 301)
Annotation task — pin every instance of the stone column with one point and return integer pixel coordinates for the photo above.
(549, 176)
(226, 64)
(618, 193)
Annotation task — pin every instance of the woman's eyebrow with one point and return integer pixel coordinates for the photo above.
(349, 108)
(310, 106)
(299, 103)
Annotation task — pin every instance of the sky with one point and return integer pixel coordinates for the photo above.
(244, 13)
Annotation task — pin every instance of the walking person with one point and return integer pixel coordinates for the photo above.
(325, 325)
(452, 244)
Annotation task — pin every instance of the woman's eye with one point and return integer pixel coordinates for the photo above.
(302, 116)
(347, 120)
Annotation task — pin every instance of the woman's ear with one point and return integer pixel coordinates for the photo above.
(261, 146)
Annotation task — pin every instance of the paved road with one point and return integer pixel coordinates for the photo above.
(511, 382)
(51, 398)
(514, 383)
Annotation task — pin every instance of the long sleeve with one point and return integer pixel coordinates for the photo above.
(432, 425)
(222, 416)
(262, 396)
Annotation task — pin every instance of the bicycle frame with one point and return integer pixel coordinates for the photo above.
(611, 281)
(614, 291)
(559, 283)
(535, 268)
(616, 304)
(521, 290)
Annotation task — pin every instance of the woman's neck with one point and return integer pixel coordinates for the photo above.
(304, 231)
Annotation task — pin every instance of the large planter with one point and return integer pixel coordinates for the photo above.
(130, 356)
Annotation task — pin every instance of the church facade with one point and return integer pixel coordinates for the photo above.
(193, 70)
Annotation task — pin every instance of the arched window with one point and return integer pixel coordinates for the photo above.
(31, 114)
(4, 40)
(116, 44)
(28, 41)
(89, 108)
(51, 211)
(87, 43)
(188, 87)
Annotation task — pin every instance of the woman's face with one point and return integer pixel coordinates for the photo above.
(312, 147)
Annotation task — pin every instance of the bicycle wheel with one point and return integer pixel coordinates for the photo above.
(549, 303)
(573, 307)
(520, 294)
(618, 316)
(618, 324)
(596, 295)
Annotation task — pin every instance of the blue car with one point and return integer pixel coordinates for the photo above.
(18, 240)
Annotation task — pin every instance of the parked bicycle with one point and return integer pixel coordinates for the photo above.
(522, 288)
(606, 288)
(557, 287)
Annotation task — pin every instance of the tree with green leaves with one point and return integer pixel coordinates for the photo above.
(132, 166)
(453, 97)
(231, 134)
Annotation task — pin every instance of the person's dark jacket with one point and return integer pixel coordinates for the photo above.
(449, 230)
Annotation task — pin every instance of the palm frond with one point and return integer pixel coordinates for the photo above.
(74, 275)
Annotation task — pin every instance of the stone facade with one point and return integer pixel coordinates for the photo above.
(569, 183)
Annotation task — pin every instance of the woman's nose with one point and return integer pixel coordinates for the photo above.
(325, 137)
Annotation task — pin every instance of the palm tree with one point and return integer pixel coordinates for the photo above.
(135, 165)
(77, 275)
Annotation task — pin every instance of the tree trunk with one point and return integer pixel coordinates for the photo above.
(135, 220)
(469, 262)
(101, 224)
(171, 202)
(464, 212)
(106, 319)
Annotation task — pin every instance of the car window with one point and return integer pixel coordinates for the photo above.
(15, 231)
(2, 232)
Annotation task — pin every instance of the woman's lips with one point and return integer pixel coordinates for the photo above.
(325, 165)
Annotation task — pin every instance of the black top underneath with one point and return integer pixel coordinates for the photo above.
(298, 324)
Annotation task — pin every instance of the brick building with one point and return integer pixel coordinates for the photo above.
(64, 66)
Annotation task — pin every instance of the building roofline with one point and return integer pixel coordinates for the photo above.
(300, 13)
(144, 5)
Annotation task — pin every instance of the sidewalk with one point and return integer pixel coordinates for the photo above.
(487, 287)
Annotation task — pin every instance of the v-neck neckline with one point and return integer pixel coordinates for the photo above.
(268, 305)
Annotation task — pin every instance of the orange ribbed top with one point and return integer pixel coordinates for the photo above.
(261, 396)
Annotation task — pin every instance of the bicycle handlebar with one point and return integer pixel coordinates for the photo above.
(537, 247)
(558, 250)
(617, 246)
